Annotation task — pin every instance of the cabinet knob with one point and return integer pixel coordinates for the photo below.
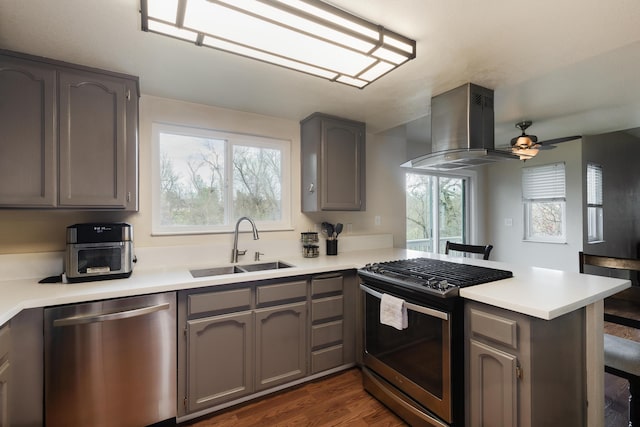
(312, 188)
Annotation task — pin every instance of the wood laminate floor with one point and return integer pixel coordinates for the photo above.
(338, 400)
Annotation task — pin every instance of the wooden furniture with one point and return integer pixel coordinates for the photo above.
(69, 135)
(474, 249)
(332, 164)
(621, 355)
(515, 378)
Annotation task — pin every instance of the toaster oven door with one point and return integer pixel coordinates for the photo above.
(97, 259)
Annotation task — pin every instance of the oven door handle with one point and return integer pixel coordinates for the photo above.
(413, 307)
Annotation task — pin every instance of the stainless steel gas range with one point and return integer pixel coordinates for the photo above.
(418, 371)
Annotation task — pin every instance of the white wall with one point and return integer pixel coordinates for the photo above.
(503, 201)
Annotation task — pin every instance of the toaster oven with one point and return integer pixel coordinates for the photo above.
(99, 251)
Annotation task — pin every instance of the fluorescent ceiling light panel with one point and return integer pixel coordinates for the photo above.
(304, 35)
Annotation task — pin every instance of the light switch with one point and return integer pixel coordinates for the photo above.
(508, 222)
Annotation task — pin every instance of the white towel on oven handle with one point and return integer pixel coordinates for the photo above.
(393, 312)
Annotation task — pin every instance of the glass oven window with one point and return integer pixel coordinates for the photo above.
(417, 352)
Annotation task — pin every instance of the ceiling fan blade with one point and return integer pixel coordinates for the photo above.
(559, 140)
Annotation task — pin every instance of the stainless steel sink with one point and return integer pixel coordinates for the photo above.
(274, 265)
(216, 271)
(234, 269)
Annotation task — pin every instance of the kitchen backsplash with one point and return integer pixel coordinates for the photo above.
(44, 264)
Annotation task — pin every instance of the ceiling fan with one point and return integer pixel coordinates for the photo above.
(527, 146)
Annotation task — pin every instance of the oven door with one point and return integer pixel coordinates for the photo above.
(416, 360)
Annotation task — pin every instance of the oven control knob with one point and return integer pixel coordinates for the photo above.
(443, 285)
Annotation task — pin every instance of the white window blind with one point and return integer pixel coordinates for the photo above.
(544, 183)
(595, 210)
(594, 185)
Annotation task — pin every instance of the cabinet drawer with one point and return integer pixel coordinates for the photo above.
(281, 292)
(495, 328)
(326, 308)
(326, 285)
(4, 342)
(235, 299)
(326, 333)
(326, 358)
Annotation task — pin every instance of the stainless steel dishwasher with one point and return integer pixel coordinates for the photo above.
(112, 362)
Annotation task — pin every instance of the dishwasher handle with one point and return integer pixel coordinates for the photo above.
(118, 315)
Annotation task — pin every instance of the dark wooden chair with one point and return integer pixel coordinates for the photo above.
(474, 249)
(621, 355)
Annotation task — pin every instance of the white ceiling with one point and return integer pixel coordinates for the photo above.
(571, 66)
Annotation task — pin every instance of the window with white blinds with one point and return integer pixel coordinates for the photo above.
(544, 182)
(595, 211)
(544, 201)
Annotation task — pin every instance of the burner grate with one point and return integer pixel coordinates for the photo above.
(434, 276)
(455, 274)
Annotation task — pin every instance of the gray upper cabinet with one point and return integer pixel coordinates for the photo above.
(332, 164)
(71, 138)
(27, 140)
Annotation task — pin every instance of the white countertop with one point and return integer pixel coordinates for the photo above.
(532, 291)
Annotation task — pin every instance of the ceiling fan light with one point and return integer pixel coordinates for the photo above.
(297, 34)
(525, 153)
(523, 142)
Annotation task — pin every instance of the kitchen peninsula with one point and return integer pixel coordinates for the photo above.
(535, 292)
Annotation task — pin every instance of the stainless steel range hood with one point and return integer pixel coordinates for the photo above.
(462, 131)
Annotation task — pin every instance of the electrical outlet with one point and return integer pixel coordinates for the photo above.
(508, 222)
(376, 220)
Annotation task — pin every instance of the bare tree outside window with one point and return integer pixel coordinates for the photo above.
(435, 207)
(207, 181)
(544, 202)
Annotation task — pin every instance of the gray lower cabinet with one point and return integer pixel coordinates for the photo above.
(523, 371)
(332, 164)
(70, 135)
(5, 342)
(220, 360)
(327, 322)
(281, 344)
(239, 340)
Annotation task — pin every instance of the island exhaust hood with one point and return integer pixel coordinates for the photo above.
(462, 131)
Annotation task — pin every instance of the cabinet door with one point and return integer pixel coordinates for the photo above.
(93, 140)
(342, 152)
(27, 139)
(219, 351)
(4, 394)
(281, 344)
(4, 376)
(492, 386)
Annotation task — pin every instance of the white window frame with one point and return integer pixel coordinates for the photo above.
(470, 181)
(231, 138)
(595, 205)
(540, 185)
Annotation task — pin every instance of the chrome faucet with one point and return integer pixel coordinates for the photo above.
(235, 252)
